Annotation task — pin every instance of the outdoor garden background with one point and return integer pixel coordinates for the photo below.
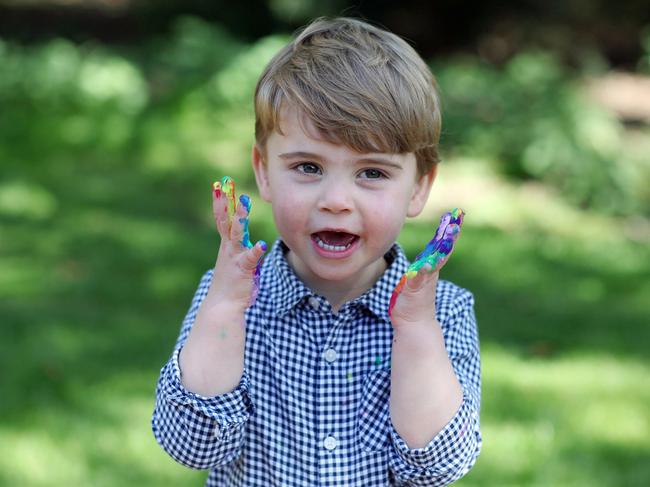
(116, 116)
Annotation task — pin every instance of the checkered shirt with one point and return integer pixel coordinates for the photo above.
(312, 406)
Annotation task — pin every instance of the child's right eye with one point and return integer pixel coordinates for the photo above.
(308, 168)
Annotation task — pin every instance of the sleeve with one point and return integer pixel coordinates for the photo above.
(454, 450)
(197, 431)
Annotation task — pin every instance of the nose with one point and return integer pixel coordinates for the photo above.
(335, 197)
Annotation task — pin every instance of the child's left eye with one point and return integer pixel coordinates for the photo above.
(372, 174)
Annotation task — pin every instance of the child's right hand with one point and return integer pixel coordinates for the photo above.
(236, 270)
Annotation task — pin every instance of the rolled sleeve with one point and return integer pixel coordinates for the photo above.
(198, 431)
(447, 457)
(454, 450)
(229, 409)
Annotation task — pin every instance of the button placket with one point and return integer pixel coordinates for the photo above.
(330, 443)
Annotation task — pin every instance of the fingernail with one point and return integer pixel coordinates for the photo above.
(217, 193)
(262, 245)
(246, 202)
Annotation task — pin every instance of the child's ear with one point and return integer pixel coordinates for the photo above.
(261, 173)
(421, 192)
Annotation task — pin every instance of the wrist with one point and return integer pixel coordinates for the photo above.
(418, 335)
(219, 309)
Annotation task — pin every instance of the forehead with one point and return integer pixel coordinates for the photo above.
(295, 124)
(297, 132)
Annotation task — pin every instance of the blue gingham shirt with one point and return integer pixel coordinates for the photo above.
(312, 406)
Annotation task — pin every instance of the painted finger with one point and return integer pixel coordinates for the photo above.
(254, 258)
(239, 228)
(396, 293)
(228, 189)
(436, 252)
(434, 243)
(254, 255)
(220, 211)
(442, 261)
(245, 201)
(415, 283)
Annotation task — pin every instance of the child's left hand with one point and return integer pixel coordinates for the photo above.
(414, 297)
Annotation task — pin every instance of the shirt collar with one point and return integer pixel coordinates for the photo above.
(377, 298)
(290, 290)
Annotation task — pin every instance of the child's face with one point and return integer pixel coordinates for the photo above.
(338, 211)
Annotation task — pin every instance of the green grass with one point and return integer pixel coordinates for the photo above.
(98, 264)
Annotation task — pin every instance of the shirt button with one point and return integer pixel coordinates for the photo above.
(217, 431)
(313, 302)
(330, 355)
(330, 443)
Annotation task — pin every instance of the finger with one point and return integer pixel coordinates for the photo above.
(228, 189)
(246, 202)
(239, 225)
(253, 256)
(445, 251)
(421, 278)
(220, 211)
(441, 263)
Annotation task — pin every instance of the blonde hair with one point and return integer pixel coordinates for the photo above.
(359, 85)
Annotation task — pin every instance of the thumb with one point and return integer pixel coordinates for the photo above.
(253, 256)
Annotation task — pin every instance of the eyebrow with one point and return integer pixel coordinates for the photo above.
(371, 159)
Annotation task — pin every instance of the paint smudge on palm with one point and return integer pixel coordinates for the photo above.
(437, 251)
(227, 187)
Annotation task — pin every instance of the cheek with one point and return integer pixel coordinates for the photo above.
(288, 212)
(386, 216)
(389, 207)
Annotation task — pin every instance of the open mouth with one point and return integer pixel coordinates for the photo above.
(334, 241)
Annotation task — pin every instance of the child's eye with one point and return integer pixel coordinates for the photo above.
(307, 168)
(372, 174)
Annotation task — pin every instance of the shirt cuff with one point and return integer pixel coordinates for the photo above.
(454, 448)
(228, 409)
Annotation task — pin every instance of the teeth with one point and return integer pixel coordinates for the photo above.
(332, 248)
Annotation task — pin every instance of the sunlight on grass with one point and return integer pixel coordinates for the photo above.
(538, 412)
(22, 276)
(26, 200)
(141, 235)
(37, 458)
(490, 199)
(103, 439)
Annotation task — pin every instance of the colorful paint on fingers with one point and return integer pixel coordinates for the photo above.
(437, 251)
(246, 203)
(226, 187)
(216, 187)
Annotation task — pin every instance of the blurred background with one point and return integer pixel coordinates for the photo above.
(116, 116)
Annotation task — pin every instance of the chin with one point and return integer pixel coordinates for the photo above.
(333, 273)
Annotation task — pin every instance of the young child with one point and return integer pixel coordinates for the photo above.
(314, 383)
